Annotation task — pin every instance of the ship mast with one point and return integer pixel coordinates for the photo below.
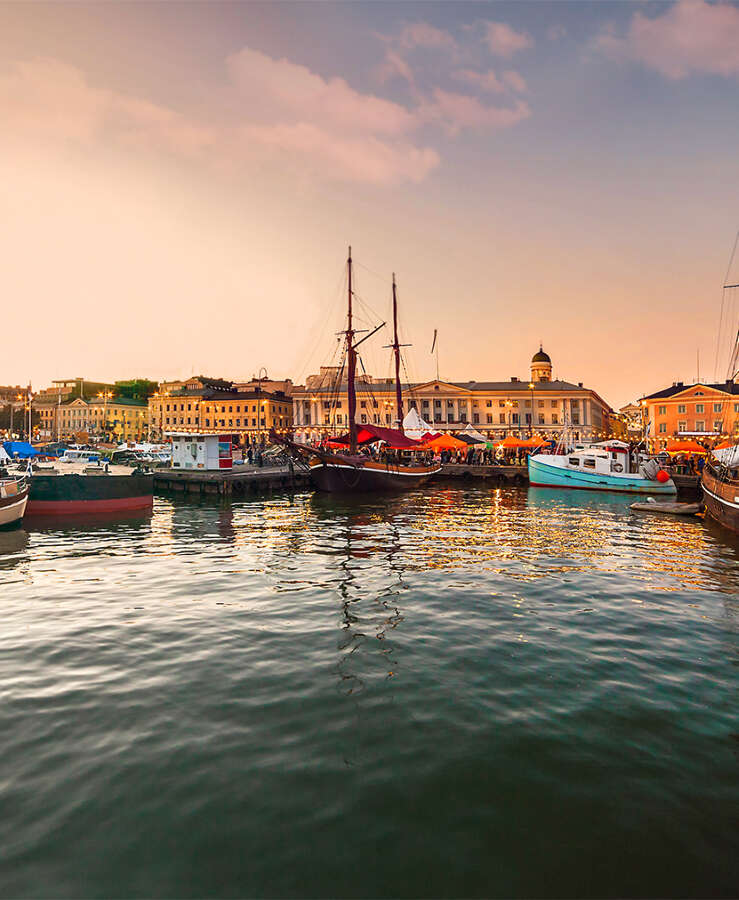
(396, 351)
(351, 364)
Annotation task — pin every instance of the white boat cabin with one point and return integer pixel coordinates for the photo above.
(605, 458)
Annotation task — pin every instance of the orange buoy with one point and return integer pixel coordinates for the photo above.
(662, 476)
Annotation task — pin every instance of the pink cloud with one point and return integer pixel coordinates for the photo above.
(274, 89)
(691, 36)
(484, 81)
(421, 34)
(515, 81)
(455, 112)
(502, 40)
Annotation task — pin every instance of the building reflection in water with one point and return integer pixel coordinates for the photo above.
(13, 547)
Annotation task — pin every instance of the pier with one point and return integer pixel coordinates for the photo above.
(241, 482)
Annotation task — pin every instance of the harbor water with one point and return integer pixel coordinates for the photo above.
(454, 693)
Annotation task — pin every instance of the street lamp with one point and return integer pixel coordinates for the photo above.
(105, 395)
(509, 406)
(531, 429)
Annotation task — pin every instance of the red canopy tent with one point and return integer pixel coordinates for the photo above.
(685, 447)
(513, 443)
(443, 442)
(369, 434)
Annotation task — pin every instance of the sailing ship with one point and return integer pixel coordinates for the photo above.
(352, 471)
(720, 477)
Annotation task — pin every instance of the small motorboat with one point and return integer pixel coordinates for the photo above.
(605, 466)
(13, 499)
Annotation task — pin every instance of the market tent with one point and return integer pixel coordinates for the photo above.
(3, 455)
(723, 445)
(19, 449)
(685, 447)
(369, 434)
(472, 433)
(413, 425)
(444, 442)
(514, 443)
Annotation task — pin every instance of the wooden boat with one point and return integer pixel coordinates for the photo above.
(720, 476)
(720, 483)
(662, 506)
(353, 472)
(13, 500)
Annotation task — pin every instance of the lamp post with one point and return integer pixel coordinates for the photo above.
(105, 395)
(509, 406)
(531, 429)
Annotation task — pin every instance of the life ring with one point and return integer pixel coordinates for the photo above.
(617, 467)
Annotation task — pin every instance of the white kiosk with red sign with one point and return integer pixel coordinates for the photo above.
(205, 452)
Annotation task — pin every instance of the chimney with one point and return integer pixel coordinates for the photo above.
(579, 383)
(513, 378)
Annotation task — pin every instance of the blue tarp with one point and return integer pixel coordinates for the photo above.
(21, 449)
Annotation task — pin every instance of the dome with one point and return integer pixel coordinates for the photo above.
(541, 357)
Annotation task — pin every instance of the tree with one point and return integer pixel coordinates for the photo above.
(136, 388)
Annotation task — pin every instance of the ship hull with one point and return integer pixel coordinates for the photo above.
(73, 494)
(543, 475)
(721, 498)
(12, 508)
(369, 478)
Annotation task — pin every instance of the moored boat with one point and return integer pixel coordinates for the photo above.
(13, 500)
(354, 472)
(601, 467)
(88, 489)
(720, 484)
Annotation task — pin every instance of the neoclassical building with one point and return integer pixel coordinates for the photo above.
(540, 405)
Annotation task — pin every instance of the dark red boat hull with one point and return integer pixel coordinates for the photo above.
(373, 477)
(63, 495)
(721, 497)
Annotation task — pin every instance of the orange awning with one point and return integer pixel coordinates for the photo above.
(685, 447)
(444, 442)
(513, 443)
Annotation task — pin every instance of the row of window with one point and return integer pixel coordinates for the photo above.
(223, 423)
(700, 425)
(699, 408)
(214, 408)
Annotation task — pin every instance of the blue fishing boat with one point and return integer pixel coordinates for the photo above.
(601, 467)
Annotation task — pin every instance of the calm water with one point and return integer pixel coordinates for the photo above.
(455, 693)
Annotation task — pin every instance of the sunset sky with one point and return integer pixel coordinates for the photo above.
(180, 183)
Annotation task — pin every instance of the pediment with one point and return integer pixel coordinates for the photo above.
(437, 388)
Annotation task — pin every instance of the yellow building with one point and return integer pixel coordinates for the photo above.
(106, 418)
(539, 405)
(201, 404)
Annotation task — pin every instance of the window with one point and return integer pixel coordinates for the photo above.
(555, 419)
(501, 402)
(437, 404)
(661, 410)
(340, 419)
(589, 462)
(736, 407)
(363, 404)
(387, 418)
(681, 408)
(326, 405)
(501, 418)
(488, 403)
(540, 402)
(476, 418)
(662, 427)
(682, 426)
(528, 418)
(700, 425)
(574, 461)
(553, 404)
(489, 419)
(541, 419)
(450, 404)
(717, 407)
(238, 423)
(699, 408)
(425, 404)
(463, 418)
(718, 425)
(514, 417)
(364, 419)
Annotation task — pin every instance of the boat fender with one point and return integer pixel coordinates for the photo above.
(662, 476)
(617, 467)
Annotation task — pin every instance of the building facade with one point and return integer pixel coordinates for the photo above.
(105, 418)
(541, 405)
(213, 405)
(691, 411)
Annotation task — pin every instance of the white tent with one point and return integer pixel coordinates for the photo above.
(3, 455)
(413, 425)
(473, 433)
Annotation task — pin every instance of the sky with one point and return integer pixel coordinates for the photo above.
(180, 182)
